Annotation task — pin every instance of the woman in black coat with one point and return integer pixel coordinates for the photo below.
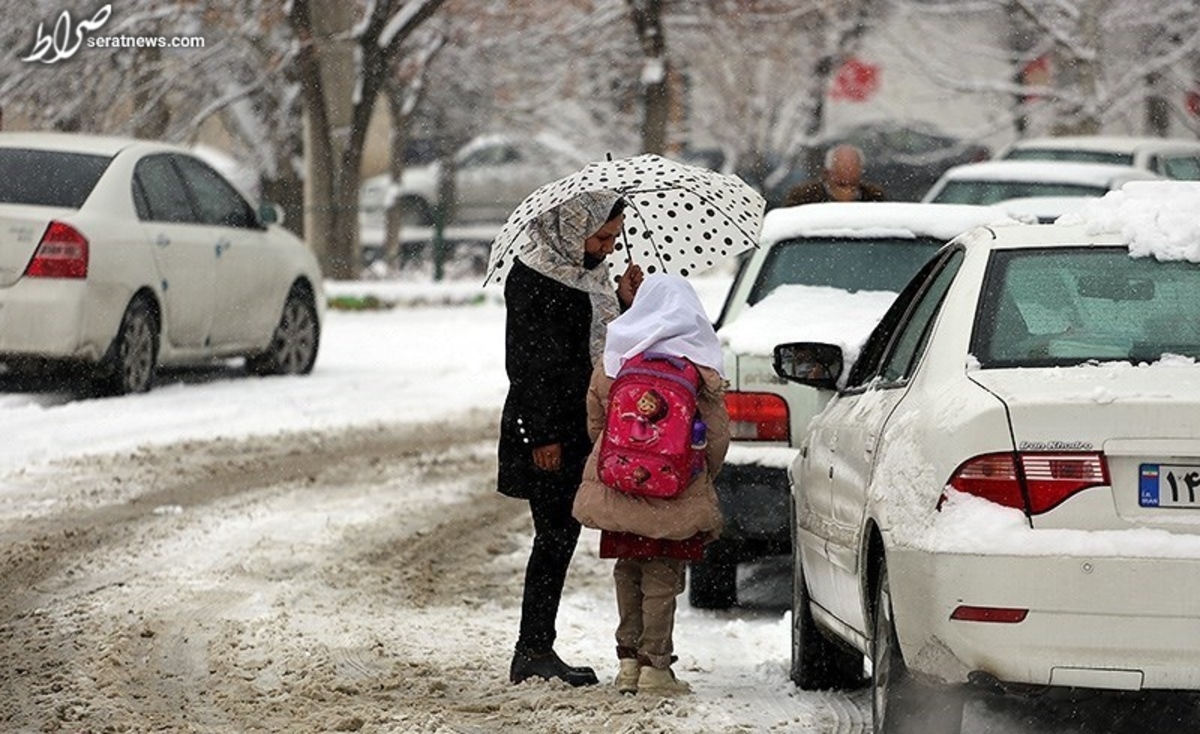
(558, 299)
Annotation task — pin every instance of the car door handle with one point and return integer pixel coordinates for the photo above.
(162, 240)
(222, 245)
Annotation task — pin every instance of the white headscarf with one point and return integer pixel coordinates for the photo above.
(555, 249)
(666, 316)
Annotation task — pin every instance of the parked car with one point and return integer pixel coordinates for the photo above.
(1175, 158)
(1001, 489)
(493, 174)
(993, 181)
(122, 255)
(820, 269)
(904, 158)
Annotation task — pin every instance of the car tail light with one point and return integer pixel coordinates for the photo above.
(62, 253)
(1004, 615)
(1031, 482)
(757, 416)
(1052, 478)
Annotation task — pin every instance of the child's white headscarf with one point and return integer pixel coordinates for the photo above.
(666, 316)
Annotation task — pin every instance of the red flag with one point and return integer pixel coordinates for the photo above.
(1191, 101)
(855, 81)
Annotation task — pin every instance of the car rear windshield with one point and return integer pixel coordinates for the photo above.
(881, 264)
(1068, 306)
(48, 177)
(991, 192)
(1079, 156)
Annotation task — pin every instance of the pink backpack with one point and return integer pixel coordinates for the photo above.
(653, 441)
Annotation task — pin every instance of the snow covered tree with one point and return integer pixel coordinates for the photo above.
(343, 59)
(763, 70)
(1075, 66)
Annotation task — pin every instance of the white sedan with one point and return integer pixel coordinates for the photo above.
(992, 182)
(121, 255)
(1004, 490)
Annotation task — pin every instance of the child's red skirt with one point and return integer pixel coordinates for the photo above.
(628, 545)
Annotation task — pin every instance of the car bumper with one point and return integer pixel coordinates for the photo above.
(43, 319)
(755, 500)
(1102, 622)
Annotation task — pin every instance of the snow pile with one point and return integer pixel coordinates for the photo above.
(1157, 218)
(969, 524)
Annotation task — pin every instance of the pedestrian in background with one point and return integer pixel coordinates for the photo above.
(840, 180)
(558, 299)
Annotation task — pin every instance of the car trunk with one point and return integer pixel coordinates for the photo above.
(1142, 421)
(20, 233)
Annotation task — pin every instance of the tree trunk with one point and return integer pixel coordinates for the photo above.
(287, 192)
(1158, 109)
(1082, 117)
(393, 221)
(327, 74)
(656, 91)
(1019, 41)
(151, 116)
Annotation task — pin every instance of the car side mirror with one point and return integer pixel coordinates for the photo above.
(269, 213)
(815, 364)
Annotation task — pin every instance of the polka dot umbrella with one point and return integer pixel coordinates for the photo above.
(679, 218)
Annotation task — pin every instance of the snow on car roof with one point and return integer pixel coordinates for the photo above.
(1105, 143)
(1088, 174)
(1156, 218)
(871, 219)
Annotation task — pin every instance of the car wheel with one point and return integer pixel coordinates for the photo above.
(900, 703)
(818, 663)
(713, 585)
(133, 357)
(293, 348)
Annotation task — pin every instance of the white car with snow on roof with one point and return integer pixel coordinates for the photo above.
(1005, 489)
(821, 272)
(992, 182)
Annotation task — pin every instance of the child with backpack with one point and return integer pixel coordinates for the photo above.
(656, 412)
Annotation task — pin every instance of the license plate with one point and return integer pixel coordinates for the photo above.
(1164, 485)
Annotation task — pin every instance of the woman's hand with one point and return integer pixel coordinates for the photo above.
(549, 457)
(628, 284)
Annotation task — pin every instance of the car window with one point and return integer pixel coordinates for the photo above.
(216, 199)
(991, 192)
(909, 344)
(880, 264)
(166, 197)
(1069, 306)
(1081, 156)
(1183, 167)
(867, 365)
(48, 177)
